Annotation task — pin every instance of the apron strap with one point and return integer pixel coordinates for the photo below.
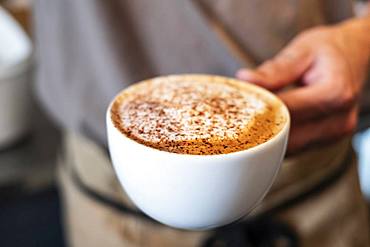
(234, 46)
(264, 229)
(103, 199)
(255, 232)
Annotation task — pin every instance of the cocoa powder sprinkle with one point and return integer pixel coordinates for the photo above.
(196, 114)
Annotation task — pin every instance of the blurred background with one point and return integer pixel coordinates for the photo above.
(29, 200)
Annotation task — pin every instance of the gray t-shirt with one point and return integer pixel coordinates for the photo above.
(88, 50)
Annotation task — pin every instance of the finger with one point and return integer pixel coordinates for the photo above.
(253, 76)
(285, 68)
(305, 103)
(321, 131)
(318, 99)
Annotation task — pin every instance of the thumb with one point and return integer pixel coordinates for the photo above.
(284, 69)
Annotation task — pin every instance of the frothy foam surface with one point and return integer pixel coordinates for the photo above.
(196, 114)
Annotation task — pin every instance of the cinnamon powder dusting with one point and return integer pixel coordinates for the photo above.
(196, 114)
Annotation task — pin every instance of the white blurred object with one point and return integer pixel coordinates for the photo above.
(361, 8)
(15, 80)
(362, 146)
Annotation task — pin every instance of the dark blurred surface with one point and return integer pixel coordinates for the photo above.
(31, 220)
(30, 212)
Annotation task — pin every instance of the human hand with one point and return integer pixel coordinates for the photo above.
(327, 65)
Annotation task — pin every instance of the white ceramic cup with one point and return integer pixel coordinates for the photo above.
(196, 191)
(15, 81)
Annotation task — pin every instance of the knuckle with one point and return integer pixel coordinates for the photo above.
(313, 31)
(315, 34)
(343, 99)
(347, 99)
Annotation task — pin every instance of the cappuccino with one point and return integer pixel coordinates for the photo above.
(197, 114)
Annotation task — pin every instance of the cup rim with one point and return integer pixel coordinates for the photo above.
(256, 148)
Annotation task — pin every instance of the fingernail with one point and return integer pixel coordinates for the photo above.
(244, 74)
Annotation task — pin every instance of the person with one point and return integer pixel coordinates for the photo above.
(313, 55)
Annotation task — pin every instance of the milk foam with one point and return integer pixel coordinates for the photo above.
(192, 114)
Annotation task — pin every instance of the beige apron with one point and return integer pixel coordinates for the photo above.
(335, 215)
